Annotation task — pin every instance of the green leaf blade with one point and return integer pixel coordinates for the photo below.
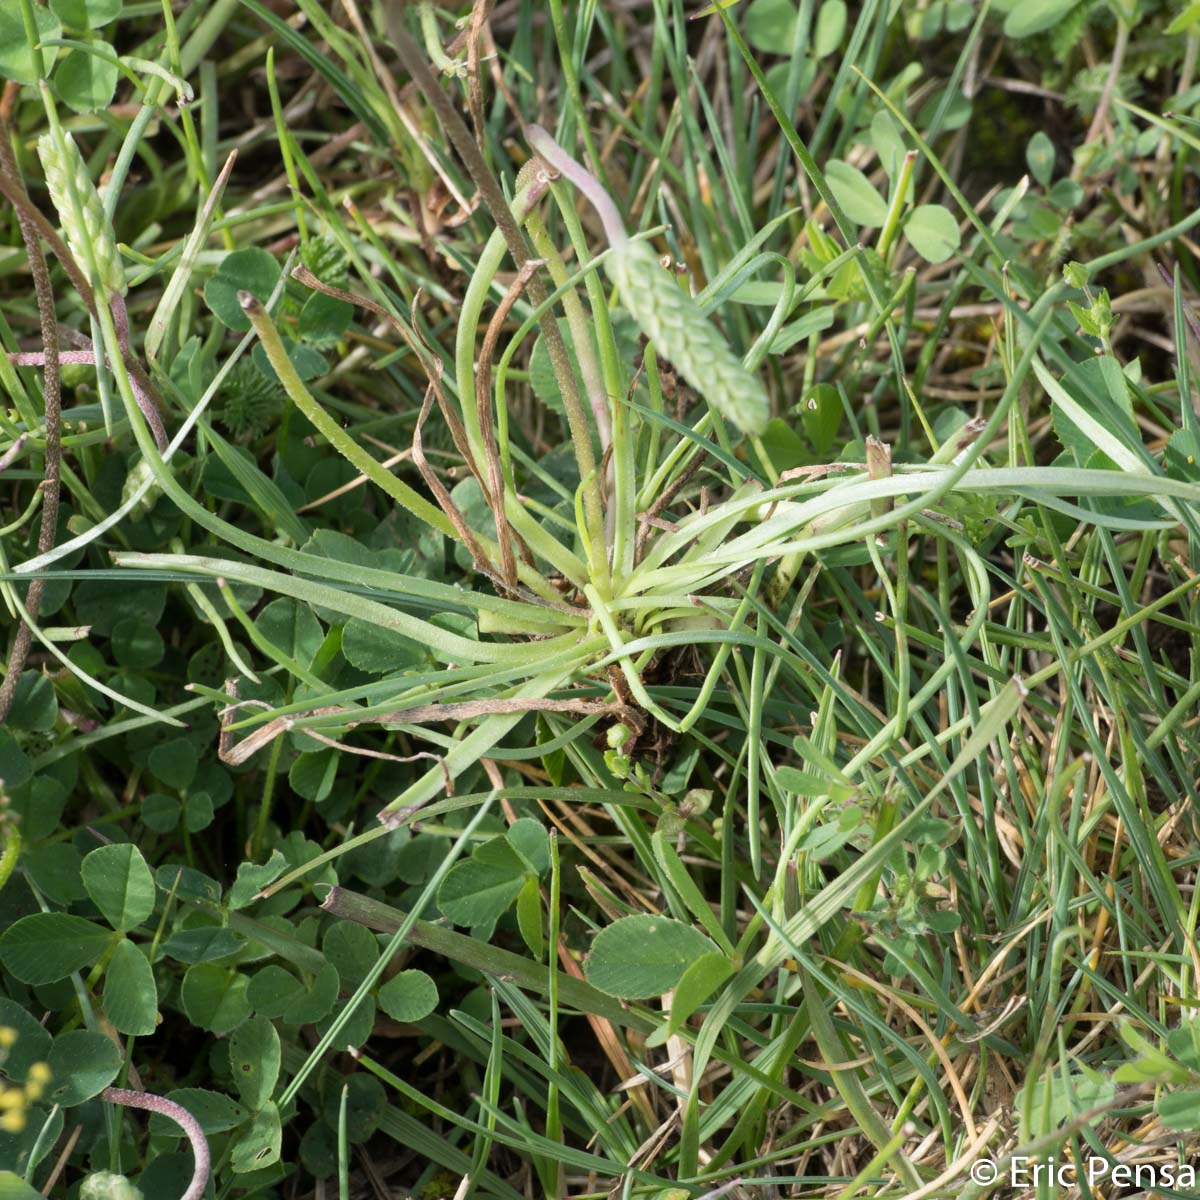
(46, 947)
(130, 993)
(409, 996)
(120, 884)
(255, 1056)
(82, 1064)
(642, 956)
(932, 232)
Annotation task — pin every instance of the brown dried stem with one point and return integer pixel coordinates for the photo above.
(466, 710)
(442, 496)
(52, 407)
(489, 188)
(480, 11)
(487, 423)
(13, 190)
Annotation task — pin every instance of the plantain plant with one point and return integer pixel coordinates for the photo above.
(625, 561)
(578, 602)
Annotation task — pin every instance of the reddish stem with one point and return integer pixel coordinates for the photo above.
(11, 455)
(37, 358)
(88, 358)
(182, 1118)
(585, 181)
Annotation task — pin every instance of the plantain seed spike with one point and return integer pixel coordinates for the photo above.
(86, 223)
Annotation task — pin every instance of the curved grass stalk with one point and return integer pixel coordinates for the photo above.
(434, 595)
(497, 482)
(411, 501)
(432, 38)
(783, 306)
(589, 367)
(743, 505)
(734, 272)
(266, 647)
(215, 619)
(620, 441)
(658, 408)
(683, 450)
(719, 659)
(76, 670)
(754, 747)
(447, 646)
(897, 596)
